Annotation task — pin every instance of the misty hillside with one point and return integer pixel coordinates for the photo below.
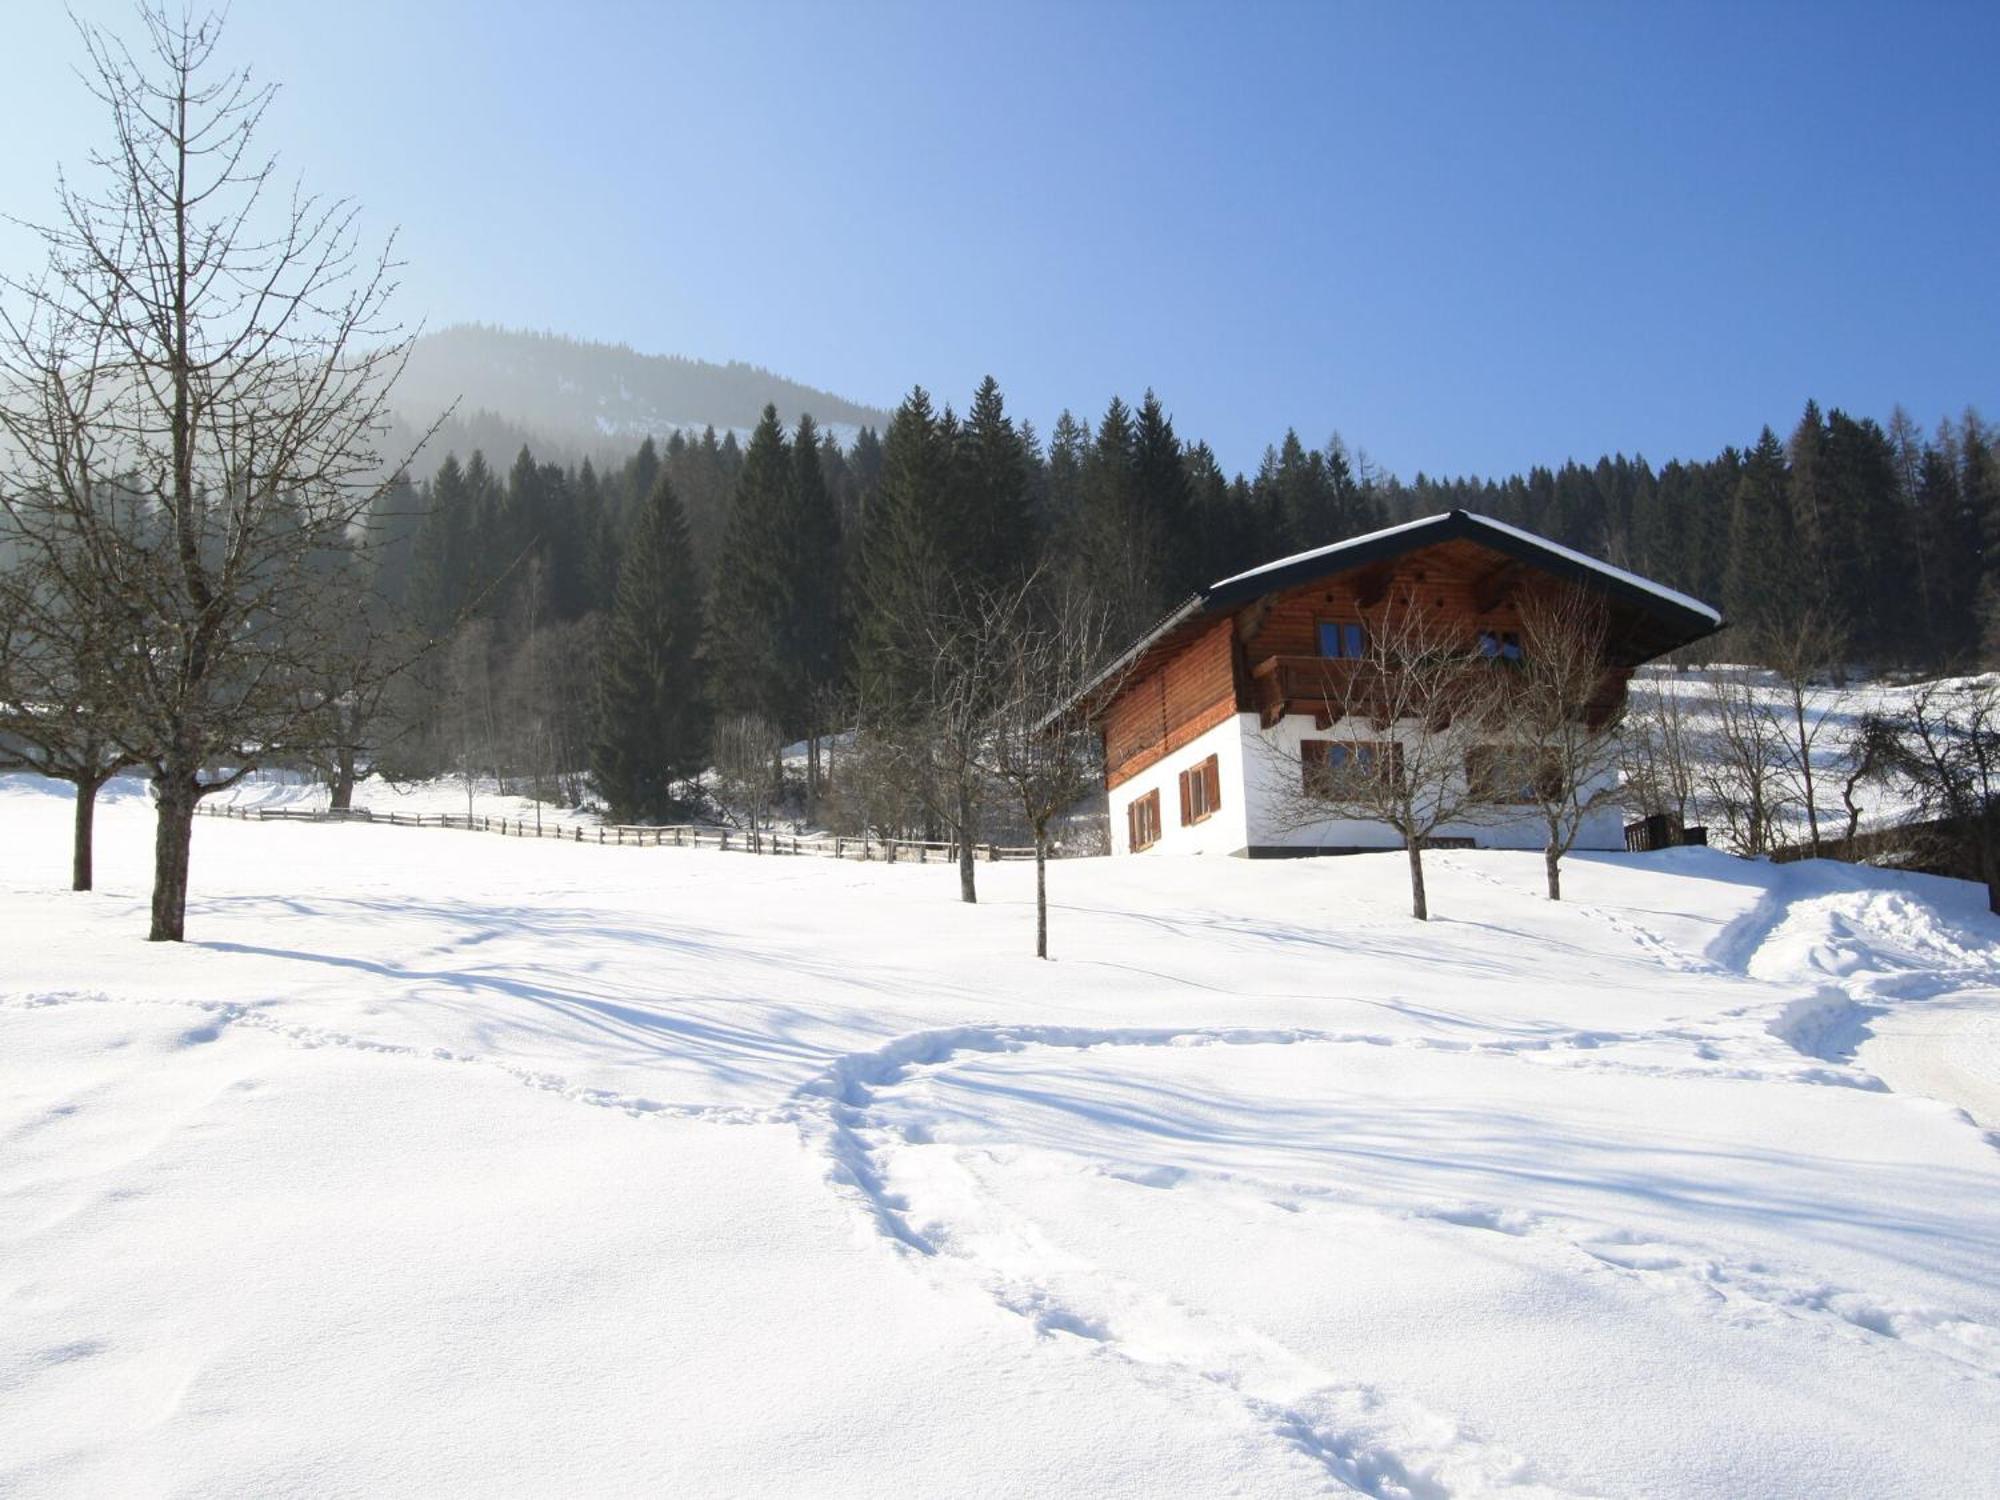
(572, 399)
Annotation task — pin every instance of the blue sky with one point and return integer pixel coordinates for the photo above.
(1469, 237)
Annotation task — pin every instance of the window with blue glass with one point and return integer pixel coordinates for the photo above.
(1342, 639)
(1500, 645)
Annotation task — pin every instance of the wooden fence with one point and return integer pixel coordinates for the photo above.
(1662, 831)
(667, 836)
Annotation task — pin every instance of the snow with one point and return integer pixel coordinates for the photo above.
(438, 1163)
(1835, 711)
(296, 791)
(1595, 565)
(1582, 559)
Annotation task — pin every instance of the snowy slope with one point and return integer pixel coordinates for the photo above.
(445, 1164)
(1834, 715)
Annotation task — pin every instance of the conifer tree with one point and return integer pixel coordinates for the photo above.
(907, 548)
(998, 546)
(812, 628)
(1807, 489)
(1764, 565)
(653, 715)
(1062, 493)
(393, 523)
(444, 552)
(1159, 471)
(753, 592)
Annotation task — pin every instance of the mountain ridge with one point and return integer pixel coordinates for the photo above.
(571, 398)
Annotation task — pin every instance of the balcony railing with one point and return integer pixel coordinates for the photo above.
(1329, 688)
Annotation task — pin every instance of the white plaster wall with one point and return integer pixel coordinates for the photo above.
(1271, 768)
(1223, 831)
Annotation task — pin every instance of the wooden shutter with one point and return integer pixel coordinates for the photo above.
(1187, 803)
(1211, 775)
(1132, 824)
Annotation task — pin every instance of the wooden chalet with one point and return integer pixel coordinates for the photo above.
(1249, 664)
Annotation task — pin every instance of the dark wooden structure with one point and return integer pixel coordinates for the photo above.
(1270, 642)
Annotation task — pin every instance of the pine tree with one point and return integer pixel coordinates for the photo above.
(812, 630)
(443, 555)
(752, 595)
(1950, 540)
(393, 523)
(906, 552)
(1807, 490)
(998, 545)
(1062, 493)
(652, 728)
(1764, 576)
(597, 541)
(1159, 471)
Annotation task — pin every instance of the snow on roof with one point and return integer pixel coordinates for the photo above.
(1582, 560)
(1318, 552)
(1672, 596)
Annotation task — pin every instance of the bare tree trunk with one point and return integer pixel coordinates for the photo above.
(176, 791)
(86, 818)
(1806, 773)
(1419, 907)
(966, 862)
(1041, 890)
(342, 796)
(1552, 860)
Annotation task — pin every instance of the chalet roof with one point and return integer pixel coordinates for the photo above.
(1355, 552)
(1678, 618)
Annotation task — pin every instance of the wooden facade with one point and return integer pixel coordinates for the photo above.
(1254, 645)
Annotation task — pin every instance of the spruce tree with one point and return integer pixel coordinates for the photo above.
(906, 550)
(444, 553)
(998, 544)
(1160, 479)
(653, 717)
(753, 591)
(812, 557)
(1764, 575)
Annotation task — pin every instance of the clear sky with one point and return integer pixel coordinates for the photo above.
(1469, 237)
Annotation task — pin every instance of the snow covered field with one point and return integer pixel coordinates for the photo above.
(438, 1163)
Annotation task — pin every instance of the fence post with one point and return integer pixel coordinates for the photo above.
(993, 854)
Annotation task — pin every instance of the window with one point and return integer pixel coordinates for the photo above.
(1500, 645)
(1507, 774)
(1201, 791)
(1346, 640)
(1326, 766)
(1142, 821)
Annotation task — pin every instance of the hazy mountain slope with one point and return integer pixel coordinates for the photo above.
(574, 398)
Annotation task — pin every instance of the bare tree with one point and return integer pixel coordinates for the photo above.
(1659, 749)
(1944, 744)
(1047, 656)
(1404, 720)
(744, 747)
(1742, 772)
(964, 683)
(1562, 711)
(466, 718)
(194, 392)
(60, 699)
(1801, 651)
(879, 789)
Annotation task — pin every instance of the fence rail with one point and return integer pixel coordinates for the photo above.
(635, 835)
